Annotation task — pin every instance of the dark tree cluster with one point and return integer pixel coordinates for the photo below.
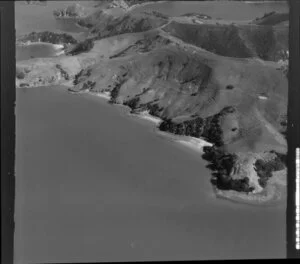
(212, 131)
(24, 85)
(221, 161)
(82, 74)
(229, 87)
(222, 164)
(20, 75)
(115, 91)
(208, 128)
(153, 109)
(121, 53)
(241, 185)
(264, 169)
(83, 23)
(132, 103)
(63, 73)
(89, 85)
(50, 37)
(193, 128)
(77, 76)
(81, 47)
(281, 157)
(72, 11)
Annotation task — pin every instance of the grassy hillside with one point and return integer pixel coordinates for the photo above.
(271, 19)
(184, 85)
(240, 41)
(103, 25)
(221, 82)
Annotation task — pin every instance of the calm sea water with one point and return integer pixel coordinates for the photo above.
(30, 18)
(35, 51)
(217, 9)
(96, 185)
(93, 184)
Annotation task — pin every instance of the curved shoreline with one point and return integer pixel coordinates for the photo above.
(271, 195)
(67, 72)
(29, 43)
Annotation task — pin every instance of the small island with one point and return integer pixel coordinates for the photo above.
(72, 11)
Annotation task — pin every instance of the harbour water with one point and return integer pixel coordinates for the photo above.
(94, 184)
(37, 50)
(228, 10)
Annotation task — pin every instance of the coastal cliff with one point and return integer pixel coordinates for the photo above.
(217, 82)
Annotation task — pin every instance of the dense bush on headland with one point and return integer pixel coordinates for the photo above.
(222, 164)
(49, 37)
(72, 11)
(81, 47)
(207, 128)
(264, 169)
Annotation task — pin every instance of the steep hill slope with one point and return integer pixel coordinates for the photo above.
(103, 25)
(272, 19)
(240, 41)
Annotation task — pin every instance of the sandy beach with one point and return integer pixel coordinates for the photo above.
(196, 144)
(145, 115)
(272, 194)
(55, 46)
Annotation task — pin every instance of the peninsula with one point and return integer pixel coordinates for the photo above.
(220, 81)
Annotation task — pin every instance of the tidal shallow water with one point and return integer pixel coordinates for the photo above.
(93, 184)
